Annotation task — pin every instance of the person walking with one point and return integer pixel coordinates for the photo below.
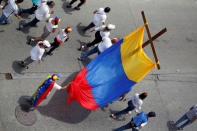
(102, 31)
(35, 54)
(50, 27)
(78, 6)
(44, 89)
(189, 117)
(62, 36)
(134, 102)
(102, 46)
(41, 13)
(36, 4)
(98, 17)
(138, 121)
(10, 7)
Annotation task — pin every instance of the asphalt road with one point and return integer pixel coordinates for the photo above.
(172, 90)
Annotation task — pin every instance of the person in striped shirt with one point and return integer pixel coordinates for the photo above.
(61, 37)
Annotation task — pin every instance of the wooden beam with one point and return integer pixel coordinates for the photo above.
(154, 37)
(150, 39)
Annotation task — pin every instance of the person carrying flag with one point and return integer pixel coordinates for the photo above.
(61, 37)
(44, 89)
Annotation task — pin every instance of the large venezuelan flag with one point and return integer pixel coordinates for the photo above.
(112, 73)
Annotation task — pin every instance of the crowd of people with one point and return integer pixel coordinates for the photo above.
(41, 9)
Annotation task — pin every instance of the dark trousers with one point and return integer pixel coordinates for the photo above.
(97, 39)
(80, 4)
(54, 45)
(125, 127)
(126, 110)
(89, 26)
(1, 1)
(28, 61)
(32, 23)
(30, 10)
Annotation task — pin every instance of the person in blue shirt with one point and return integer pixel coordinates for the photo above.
(137, 122)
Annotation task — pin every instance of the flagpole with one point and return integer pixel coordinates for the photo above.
(150, 39)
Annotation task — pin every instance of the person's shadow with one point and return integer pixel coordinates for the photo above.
(80, 28)
(58, 109)
(67, 10)
(17, 68)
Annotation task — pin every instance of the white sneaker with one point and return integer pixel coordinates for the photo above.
(1, 6)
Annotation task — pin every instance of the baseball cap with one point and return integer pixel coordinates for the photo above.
(46, 43)
(111, 26)
(114, 40)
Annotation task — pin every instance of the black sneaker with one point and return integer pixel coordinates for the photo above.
(77, 8)
(80, 59)
(69, 6)
(49, 54)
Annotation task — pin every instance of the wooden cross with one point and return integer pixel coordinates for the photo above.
(150, 41)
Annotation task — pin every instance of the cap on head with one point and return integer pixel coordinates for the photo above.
(46, 43)
(57, 18)
(152, 114)
(114, 40)
(107, 9)
(111, 26)
(68, 29)
(55, 76)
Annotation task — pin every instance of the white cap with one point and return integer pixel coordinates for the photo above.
(46, 43)
(111, 26)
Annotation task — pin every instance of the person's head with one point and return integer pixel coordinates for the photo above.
(143, 95)
(19, 1)
(68, 29)
(44, 44)
(55, 76)
(114, 40)
(107, 10)
(110, 27)
(51, 4)
(57, 19)
(151, 114)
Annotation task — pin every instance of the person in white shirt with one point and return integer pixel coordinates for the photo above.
(61, 37)
(98, 17)
(41, 13)
(134, 102)
(102, 31)
(36, 53)
(36, 4)
(102, 46)
(9, 8)
(50, 27)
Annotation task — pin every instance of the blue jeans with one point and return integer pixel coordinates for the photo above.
(126, 110)
(125, 127)
(183, 118)
(30, 10)
(90, 52)
(4, 18)
(32, 23)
